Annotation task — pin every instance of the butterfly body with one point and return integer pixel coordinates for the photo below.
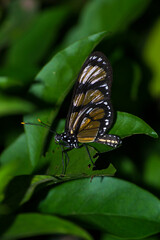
(67, 140)
(91, 113)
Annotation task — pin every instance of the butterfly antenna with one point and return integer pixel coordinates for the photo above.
(42, 124)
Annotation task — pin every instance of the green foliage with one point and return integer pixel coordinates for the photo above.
(14, 105)
(32, 224)
(115, 216)
(42, 47)
(113, 16)
(151, 56)
(18, 154)
(55, 80)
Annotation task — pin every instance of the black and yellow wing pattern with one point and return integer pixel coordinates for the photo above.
(91, 114)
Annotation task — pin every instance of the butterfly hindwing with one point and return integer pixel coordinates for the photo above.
(91, 114)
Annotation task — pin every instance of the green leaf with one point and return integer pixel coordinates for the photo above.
(79, 165)
(126, 125)
(31, 47)
(6, 82)
(34, 224)
(6, 174)
(12, 197)
(137, 77)
(109, 204)
(56, 78)
(14, 105)
(36, 136)
(37, 181)
(113, 16)
(18, 155)
(151, 170)
(17, 19)
(111, 237)
(151, 56)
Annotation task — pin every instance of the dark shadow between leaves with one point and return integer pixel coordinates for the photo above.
(6, 221)
(14, 194)
(100, 162)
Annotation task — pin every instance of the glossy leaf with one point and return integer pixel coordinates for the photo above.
(34, 224)
(107, 204)
(126, 125)
(56, 78)
(36, 136)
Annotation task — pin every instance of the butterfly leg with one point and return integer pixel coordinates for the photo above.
(86, 147)
(63, 160)
(66, 159)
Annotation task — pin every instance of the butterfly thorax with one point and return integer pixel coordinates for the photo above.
(67, 139)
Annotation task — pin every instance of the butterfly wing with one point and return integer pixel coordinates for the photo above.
(91, 114)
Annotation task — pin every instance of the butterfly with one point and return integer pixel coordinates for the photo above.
(90, 114)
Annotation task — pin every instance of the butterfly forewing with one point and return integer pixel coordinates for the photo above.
(90, 113)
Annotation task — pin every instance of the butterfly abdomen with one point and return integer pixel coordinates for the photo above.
(110, 140)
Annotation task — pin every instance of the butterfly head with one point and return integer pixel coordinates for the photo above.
(67, 140)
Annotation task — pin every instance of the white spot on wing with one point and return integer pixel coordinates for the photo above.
(99, 59)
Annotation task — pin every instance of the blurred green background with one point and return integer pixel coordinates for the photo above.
(31, 34)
